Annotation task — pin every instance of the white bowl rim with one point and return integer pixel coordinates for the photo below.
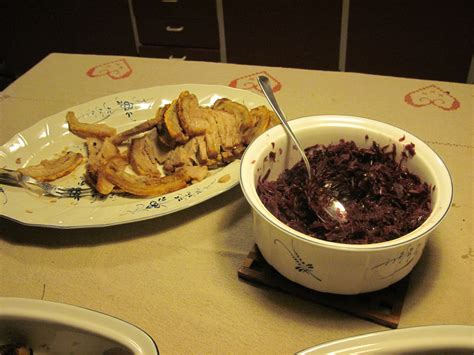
(424, 338)
(405, 239)
(88, 320)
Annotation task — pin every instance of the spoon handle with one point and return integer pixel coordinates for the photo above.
(268, 92)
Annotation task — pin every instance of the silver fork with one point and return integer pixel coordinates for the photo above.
(15, 178)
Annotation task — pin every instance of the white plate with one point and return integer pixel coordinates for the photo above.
(57, 328)
(50, 136)
(434, 339)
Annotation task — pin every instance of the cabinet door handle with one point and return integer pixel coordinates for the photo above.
(174, 29)
(179, 58)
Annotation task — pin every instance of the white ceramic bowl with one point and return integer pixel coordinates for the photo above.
(57, 328)
(334, 267)
(433, 339)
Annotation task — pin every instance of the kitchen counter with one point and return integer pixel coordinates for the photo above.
(175, 276)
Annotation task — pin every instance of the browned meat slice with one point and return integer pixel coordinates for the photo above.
(227, 156)
(142, 185)
(142, 163)
(49, 170)
(182, 155)
(264, 119)
(172, 124)
(93, 148)
(238, 151)
(190, 114)
(142, 127)
(240, 111)
(163, 134)
(195, 172)
(165, 137)
(85, 130)
(202, 150)
(213, 141)
(99, 152)
(154, 148)
(228, 127)
(102, 185)
(222, 137)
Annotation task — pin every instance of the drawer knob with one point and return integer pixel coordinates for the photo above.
(178, 58)
(174, 29)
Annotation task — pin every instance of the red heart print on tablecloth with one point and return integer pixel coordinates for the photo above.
(118, 69)
(249, 82)
(432, 95)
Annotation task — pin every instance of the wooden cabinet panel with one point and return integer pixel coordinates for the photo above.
(31, 31)
(420, 39)
(199, 54)
(300, 33)
(97, 27)
(36, 28)
(174, 9)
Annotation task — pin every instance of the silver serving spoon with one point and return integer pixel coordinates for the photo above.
(334, 208)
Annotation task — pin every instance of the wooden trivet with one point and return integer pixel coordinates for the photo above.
(382, 307)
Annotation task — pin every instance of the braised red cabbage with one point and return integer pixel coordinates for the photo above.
(382, 198)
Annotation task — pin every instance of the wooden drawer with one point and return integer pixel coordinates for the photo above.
(201, 33)
(174, 8)
(199, 54)
(181, 23)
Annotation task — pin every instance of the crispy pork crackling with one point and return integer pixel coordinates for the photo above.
(175, 148)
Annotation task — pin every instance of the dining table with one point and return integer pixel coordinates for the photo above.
(176, 275)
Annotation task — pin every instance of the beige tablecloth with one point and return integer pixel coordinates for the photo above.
(176, 276)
